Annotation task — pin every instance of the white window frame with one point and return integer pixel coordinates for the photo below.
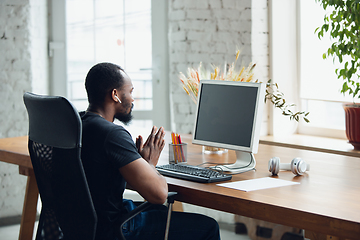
(284, 20)
(160, 115)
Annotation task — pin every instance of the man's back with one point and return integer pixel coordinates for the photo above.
(105, 148)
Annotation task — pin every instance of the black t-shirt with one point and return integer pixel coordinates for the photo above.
(106, 147)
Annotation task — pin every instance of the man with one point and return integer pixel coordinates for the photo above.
(111, 159)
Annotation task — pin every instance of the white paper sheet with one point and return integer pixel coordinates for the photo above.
(257, 184)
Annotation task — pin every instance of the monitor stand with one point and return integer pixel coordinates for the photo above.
(245, 162)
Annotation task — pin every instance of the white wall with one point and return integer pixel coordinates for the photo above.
(284, 66)
(209, 31)
(23, 67)
(260, 50)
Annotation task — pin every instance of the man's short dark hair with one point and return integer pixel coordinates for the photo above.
(101, 79)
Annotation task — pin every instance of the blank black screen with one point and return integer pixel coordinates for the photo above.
(226, 114)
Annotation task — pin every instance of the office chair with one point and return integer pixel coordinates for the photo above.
(54, 145)
(55, 131)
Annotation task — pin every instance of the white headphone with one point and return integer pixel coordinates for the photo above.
(297, 166)
(117, 98)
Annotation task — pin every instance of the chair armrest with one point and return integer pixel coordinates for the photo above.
(142, 207)
(171, 197)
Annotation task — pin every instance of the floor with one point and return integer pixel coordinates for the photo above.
(12, 233)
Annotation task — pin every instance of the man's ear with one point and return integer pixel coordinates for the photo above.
(114, 93)
(115, 96)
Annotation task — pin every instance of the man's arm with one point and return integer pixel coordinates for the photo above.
(141, 174)
(145, 179)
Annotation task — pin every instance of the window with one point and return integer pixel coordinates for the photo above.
(303, 75)
(118, 31)
(319, 86)
(109, 31)
(132, 34)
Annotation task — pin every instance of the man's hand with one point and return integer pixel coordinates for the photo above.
(153, 146)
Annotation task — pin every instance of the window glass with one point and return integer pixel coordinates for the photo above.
(319, 85)
(117, 31)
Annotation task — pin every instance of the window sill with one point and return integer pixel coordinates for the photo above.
(312, 143)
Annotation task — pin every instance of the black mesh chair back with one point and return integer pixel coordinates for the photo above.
(54, 145)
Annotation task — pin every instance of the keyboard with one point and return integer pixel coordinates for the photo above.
(192, 173)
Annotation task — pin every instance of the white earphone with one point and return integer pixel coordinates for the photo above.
(297, 166)
(117, 98)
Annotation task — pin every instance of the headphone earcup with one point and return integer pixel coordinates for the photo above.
(299, 166)
(274, 165)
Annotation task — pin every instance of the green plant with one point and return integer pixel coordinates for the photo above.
(277, 98)
(343, 24)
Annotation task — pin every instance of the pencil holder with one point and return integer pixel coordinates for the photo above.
(178, 153)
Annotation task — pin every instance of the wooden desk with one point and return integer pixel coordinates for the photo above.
(15, 151)
(325, 201)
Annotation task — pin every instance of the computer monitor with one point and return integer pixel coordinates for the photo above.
(229, 115)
